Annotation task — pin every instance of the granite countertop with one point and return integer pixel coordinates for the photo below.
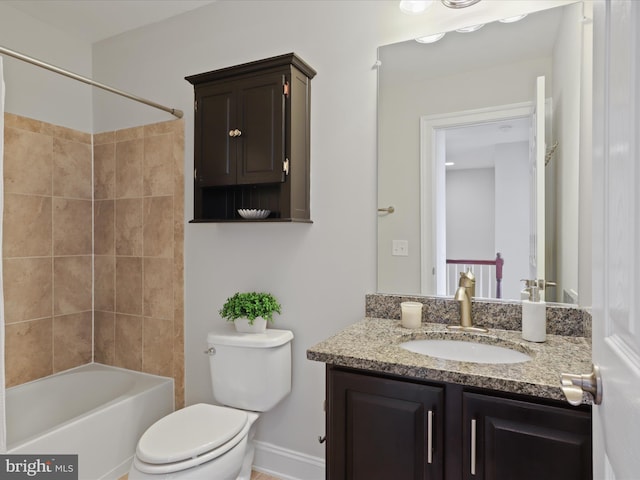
(372, 344)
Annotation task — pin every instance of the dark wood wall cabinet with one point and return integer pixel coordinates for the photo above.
(382, 427)
(251, 140)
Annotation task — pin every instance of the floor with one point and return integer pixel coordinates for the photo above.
(261, 476)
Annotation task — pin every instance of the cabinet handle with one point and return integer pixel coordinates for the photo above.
(473, 446)
(430, 436)
(235, 133)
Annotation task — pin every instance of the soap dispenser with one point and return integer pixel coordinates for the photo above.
(534, 311)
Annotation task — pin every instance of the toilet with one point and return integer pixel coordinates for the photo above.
(250, 373)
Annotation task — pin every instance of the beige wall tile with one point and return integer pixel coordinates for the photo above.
(158, 165)
(129, 226)
(72, 286)
(72, 340)
(71, 169)
(23, 123)
(27, 225)
(159, 128)
(158, 227)
(104, 171)
(129, 285)
(157, 347)
(65, 133)
(28, 351)
(126, 166)
(129, 134)
(178, 351)
(128, 342)
(104, 337)
(158, 288)
(28, 162)
(72, 227)
(105, 282)
(104, 137)
(129, 156)
(104, 219)
(28, 288)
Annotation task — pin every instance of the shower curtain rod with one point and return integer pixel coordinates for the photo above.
(173, 111)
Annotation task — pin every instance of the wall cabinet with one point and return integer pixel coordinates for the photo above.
(381, 427)
(251, 140)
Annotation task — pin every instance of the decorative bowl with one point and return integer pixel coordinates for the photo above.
(252, 213)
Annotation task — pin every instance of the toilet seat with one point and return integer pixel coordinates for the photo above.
(189, 437)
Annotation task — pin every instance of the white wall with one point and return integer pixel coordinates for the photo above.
(471, 229)
(568, 159)
(512, 214)
(36, 93)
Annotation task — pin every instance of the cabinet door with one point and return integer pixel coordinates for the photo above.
(380, 429)
(261, 114)
(525, 441)
(215, 149)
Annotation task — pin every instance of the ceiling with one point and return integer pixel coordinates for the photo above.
(95, 20)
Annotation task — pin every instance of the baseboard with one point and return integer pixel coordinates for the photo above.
(287, 464)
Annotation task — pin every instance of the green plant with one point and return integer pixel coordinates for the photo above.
(250, 305)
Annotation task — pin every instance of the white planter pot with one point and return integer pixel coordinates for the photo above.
(242, 325)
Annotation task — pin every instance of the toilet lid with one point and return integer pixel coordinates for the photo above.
(190, 432)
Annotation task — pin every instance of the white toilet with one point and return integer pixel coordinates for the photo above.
(251, 373)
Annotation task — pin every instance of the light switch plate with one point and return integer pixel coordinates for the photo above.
(400, 248)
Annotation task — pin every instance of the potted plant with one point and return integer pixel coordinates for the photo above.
(250, 311)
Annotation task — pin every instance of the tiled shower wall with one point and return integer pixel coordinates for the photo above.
(47, 249)
(139, 231)
(137, 249)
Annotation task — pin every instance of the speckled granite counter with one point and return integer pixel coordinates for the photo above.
(372, 344)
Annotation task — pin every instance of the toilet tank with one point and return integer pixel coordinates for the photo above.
(251, 371)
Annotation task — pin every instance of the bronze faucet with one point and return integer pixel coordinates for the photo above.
(465, 292)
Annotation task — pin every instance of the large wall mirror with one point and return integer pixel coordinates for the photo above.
(479, 154)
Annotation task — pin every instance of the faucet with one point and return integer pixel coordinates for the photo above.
(465, 292)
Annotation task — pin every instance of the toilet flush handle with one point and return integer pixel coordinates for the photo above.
(211, 351)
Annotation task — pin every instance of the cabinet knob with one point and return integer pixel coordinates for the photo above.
(235, 133)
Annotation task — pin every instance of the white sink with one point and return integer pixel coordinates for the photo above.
(462, 351)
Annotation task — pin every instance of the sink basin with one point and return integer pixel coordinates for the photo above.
(464, 351)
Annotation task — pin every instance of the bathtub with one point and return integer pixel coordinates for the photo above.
(95, 411)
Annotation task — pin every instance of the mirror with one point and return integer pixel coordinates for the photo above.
(470, 97)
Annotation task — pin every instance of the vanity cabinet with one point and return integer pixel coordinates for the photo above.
(381, 427)
(251, 140)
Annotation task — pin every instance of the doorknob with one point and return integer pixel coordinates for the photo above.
(573, 386)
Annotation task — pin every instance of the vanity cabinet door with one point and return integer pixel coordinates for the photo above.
(381, 429)
(513, 439)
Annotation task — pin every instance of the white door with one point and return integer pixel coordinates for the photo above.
(616, 240)
(537, 188)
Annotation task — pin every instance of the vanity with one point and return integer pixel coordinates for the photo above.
(394, 413)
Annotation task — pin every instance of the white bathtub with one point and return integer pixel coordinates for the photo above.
(95, 411)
